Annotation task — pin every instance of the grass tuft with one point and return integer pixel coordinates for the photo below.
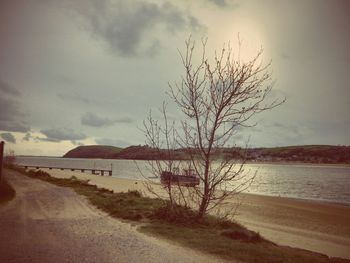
(243, 235)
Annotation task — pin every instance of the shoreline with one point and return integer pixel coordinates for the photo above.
(292, 163)
(127, 182)
(317, 226)
(334, 165)
(317, 201)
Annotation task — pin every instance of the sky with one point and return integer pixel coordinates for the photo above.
(84, 72)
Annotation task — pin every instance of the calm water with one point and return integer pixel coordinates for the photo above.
(327, 183)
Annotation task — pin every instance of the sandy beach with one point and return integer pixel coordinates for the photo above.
(317, 226)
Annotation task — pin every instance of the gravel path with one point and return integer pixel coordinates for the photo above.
(47, 223)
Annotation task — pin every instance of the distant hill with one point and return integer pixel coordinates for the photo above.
(93, 151)
(303, 153)
(111, 152)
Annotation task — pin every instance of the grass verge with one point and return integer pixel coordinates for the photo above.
(211, 235)
(7, 193)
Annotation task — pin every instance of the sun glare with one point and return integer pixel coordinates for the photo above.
(245, 38)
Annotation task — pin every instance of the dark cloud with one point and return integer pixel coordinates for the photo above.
(11, 116)
(91, 119)
(129, 26)
(225, 3)
(13, 126)
(221, 3)
(62, 134)
(7, 89)
(8, 105)
(8, 137)
(8, 109)
(112, 142)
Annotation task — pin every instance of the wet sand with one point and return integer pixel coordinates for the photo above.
(317, 226)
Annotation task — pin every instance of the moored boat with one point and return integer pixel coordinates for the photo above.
(187, 178)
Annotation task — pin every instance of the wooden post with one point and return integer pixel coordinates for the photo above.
(1, 157)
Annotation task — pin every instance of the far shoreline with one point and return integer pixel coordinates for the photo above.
(291, 163)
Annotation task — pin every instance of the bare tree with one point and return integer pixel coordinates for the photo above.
(162, 137)
(217, 98)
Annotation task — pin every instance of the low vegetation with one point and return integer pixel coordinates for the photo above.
(303, 153)
(6, 191)
(212, 235)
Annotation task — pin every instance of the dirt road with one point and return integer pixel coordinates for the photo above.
(46, 223)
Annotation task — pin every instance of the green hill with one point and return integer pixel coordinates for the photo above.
(93, 151)
(132, 152)
(302, 153)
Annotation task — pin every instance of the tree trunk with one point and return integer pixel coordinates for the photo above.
(205, 199)
(203, 206)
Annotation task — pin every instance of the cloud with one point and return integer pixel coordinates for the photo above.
(61, 134)
(75, 97)
(221, 3)
(7, 89)
(91, 119)
(8, 137)
(287, 134)
(78, 143)
(11, 116)
(225, 3)
(129, 27)
(66, 80)
(13, 126)
(112, 142)
(123, 120)
(8, 109)
(27, 137)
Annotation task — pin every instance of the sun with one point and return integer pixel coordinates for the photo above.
(246, 38)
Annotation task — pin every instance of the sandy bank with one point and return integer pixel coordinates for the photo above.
(316, 226)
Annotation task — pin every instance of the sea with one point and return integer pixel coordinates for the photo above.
(330, 183)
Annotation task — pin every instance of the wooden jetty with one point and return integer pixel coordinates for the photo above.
(93, 170)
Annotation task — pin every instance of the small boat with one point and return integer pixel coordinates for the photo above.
(188, 178)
